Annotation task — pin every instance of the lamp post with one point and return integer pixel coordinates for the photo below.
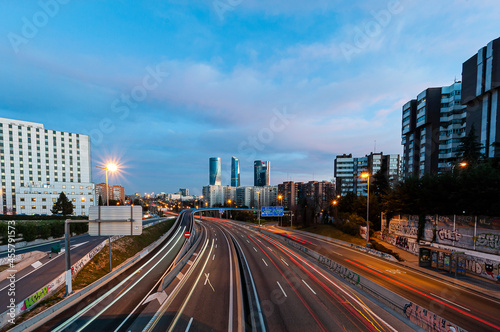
(367, 176)
(280, 197)
(112, 168)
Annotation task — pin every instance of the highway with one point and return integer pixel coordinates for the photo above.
(468, 309)
(294, 294)
(238, 278)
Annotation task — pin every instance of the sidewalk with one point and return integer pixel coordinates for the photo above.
(469, 281)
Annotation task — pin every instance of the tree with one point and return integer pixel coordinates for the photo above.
(380, 185)
(63, 205)
(469, 149)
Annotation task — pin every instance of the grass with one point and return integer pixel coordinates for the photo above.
(98, 267)
(330, 231)
(121, 250)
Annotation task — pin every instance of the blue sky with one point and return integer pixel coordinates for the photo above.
(163, 86)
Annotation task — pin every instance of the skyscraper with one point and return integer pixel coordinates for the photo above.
(481, 89)
(432, 127)
(261, 173)
(215, 171)
(235, 172)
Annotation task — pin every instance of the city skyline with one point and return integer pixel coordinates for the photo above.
(245, 82)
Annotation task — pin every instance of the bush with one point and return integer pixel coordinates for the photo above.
(57, 228)
(29, 230)
(45, 230)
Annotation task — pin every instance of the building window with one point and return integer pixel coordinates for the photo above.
(33, 199)
(33, 207)
(22, 207)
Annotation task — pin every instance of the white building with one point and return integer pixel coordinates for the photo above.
(240, 196)
(38, 164)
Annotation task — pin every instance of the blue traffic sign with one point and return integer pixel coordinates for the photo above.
(272, 211)
(278, 211)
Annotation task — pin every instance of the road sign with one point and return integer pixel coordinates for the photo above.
(221, 210)
(115, 220)
(267, 211)
(187, 235)
(278, 211)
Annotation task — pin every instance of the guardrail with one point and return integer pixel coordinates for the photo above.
(416, 314)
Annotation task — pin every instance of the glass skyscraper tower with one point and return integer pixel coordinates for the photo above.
(235, 172)
(261, 173)
(215, 171)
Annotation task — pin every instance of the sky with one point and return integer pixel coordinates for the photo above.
(162, 86)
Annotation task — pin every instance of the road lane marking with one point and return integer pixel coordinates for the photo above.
(180, 275)
(308, 286)
(215, 246)
(442, 298)
(189, 324)
(206, 275)
(213, 257)
(281, 288)
(36, 264)
(248, 241)
(254, 249)
(284, 262)
(264, 262)
(209, 282)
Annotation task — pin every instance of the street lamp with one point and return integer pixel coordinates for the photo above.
(280, 197)
(367, 176)
(112, 168)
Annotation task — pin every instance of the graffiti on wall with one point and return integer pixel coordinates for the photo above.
(449, 234)
(427, 320)
(488, 240)
(482, 267)
(403, 229)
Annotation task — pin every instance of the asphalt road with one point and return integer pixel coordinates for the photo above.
(470, 310)
(209, 300)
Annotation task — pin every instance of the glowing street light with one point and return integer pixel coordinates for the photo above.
(112, 168)
(366, 175)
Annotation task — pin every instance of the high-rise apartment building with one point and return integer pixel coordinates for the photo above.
(348, 171)
(235, 172)
(481, 86)
(432, 127)
(321, 193)
(116, 193)
(261, 173)
(38, 164)
(215, 171)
